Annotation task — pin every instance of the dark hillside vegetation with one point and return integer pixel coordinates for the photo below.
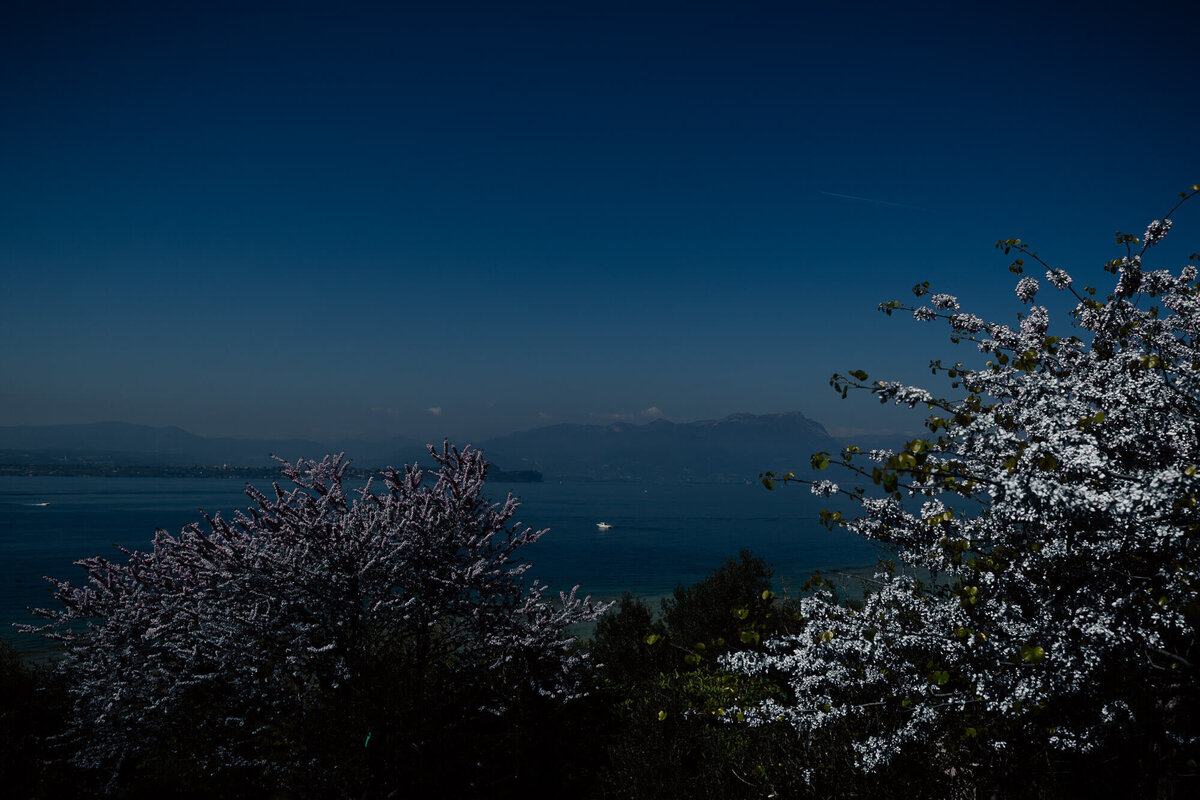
(652, 726)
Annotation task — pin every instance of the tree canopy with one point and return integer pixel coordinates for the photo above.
(1047, 593)
(300, 637)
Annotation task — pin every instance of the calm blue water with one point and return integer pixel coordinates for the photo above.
(661, 535)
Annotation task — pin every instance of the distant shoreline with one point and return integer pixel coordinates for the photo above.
(495, 475)
(220, 471)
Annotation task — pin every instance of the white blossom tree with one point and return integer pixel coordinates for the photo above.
(1054, 503)
(311, 618)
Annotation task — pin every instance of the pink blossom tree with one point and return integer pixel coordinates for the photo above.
(1048, 535)
(296, 639)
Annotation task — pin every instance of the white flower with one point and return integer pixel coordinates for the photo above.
(1156, 231)
(967, 323)
(1036, 322)
(1058, 278)
(1026, 289)
(824, 488)
(944, 302)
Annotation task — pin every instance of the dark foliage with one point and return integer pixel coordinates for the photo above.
(33, 710)
(624, 648)
(733, 608)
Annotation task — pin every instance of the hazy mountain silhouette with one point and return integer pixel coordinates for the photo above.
(735, 448)
(126, 443)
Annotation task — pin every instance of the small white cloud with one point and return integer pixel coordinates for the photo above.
(435, 410)
(544, 415)
(654, 412)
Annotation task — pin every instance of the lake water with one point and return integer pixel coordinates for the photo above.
(661, 536)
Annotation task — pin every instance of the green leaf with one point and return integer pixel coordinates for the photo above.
(749, 637)
(1032, 654)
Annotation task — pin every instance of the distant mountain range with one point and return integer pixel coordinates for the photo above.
(122, 443)
(736, 448)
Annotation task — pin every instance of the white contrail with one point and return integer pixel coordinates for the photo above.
(873, 200)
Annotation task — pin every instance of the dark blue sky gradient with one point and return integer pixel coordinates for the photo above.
(312, 219)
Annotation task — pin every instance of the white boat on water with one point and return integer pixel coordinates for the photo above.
(603, 526)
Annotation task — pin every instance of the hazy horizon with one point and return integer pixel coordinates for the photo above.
(467, 219)
(380, 437)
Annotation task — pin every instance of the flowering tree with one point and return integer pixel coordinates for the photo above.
(1051, 516)
(269, 641)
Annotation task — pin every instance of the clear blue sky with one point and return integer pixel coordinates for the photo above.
(329, 218)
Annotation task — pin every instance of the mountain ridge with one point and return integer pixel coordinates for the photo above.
(733, 448)
(127, 443)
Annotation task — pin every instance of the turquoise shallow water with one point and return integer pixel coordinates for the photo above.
(661, 536)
